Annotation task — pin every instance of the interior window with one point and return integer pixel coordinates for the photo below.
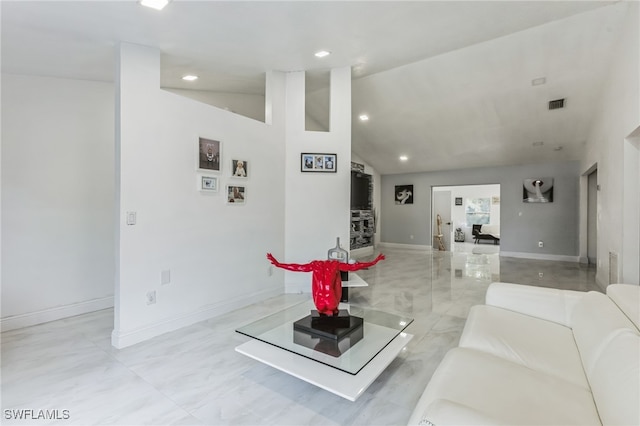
(478, 211)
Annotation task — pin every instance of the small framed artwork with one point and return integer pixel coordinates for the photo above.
(209, 155)
(315, 162)
(239, 168)
(404, 194)
(458, 201)
(209, 183)
(538, 190)
(236, 194)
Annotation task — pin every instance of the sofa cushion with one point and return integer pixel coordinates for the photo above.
(615, 380)
(493, 230)
(508, 392)
(596, 320)
(443, 412)
(537, 344)
(627, 297)
(546, 303)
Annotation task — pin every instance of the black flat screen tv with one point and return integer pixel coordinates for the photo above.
(360, 191)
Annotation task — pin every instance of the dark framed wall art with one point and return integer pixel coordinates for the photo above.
(404, 194)
(537, 190)
(318, 162)
(209, 155)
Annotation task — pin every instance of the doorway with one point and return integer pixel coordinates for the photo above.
(631, 210)
(592, 218)
(460, 207)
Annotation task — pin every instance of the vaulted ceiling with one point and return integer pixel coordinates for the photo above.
(448, 84)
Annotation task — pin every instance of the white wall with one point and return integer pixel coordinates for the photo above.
(458, 213)
(251, 106)
(316, 204)
(618, 117)
(57, 198)
(215, 252)
(522, 225)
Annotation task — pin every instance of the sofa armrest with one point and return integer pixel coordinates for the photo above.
(545, 303)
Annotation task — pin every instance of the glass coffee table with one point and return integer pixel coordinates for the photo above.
(345, 367)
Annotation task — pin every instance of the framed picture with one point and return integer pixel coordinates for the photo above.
(208, 183)
(236, 194)
(538, 190)
(316, 162)
(458, 201)
(239, 168)
(209, 155)
(404, 194)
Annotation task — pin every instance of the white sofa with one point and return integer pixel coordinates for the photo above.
(541, 356)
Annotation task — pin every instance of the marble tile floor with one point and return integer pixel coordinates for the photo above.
(193, 376)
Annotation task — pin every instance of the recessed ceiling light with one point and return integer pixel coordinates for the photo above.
(190, 77)
(322, 54)
(363, 117)
(154, 4)
(538, 81)
(403, 158)
(540, 143)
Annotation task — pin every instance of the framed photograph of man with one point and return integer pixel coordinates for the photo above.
(236, 194)
(318, 162)
(239, 168)
(209, 155)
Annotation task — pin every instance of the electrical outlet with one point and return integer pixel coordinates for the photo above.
(540, 275)
(411, 237)
(540, 244)
(151, 297)
(165, 277)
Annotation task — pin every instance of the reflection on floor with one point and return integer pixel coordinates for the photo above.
(194, 376)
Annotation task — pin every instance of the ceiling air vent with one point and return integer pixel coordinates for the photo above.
(557, 104)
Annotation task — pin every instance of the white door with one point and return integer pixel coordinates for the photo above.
(442, 207)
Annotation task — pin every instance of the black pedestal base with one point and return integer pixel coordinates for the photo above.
(330, 335)
(335, 327)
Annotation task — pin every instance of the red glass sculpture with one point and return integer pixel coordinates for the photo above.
(326, 285)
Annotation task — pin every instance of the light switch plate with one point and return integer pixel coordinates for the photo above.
(165, 277)
(131, 218)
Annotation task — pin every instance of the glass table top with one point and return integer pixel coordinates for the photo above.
(349, 354)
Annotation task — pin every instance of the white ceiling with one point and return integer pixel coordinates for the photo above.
(446, 83)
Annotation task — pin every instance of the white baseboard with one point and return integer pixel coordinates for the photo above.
(121, 339)
(361, 252)
(602, 285)
(406, 246)
(53, 314)
(536, 256)
(297, 288)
